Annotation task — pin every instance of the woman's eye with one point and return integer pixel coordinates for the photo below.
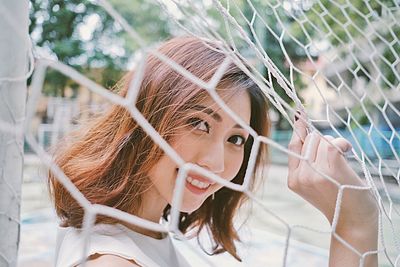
(237, 140)
(199, 124)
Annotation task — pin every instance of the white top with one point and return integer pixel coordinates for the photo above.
(116, 240)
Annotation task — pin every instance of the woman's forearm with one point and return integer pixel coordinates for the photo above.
(363, 239)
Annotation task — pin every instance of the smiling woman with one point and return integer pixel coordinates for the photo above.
(213, 141)
(112, 161)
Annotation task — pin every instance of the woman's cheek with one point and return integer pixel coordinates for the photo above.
(186, 146)
(233, 162)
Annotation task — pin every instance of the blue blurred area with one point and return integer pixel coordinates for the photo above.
(374, 142)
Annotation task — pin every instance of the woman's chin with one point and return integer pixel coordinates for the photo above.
(189, 208)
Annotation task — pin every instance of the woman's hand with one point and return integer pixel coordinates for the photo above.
(318, 180)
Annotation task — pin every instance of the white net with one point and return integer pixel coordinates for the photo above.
(338, 61)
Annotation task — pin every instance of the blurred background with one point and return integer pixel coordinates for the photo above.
(81, 34)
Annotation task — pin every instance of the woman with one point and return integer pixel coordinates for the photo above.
(114, 162)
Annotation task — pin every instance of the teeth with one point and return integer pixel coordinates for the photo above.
(197, 183)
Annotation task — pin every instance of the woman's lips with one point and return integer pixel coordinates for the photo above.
(194, 189)
(198, 178)
(201, 178)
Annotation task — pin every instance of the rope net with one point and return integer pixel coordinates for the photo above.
(343, 56)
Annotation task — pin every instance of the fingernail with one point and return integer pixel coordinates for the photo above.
(297, 115)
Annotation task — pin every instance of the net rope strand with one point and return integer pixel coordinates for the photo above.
(346, 51)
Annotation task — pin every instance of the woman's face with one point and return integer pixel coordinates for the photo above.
(212, 140)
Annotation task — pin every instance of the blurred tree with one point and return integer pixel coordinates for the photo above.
(366, 25)
(147, 18)
(300, 31)
(285, 53)
(368, 31)
(279, 51)
(81, 34)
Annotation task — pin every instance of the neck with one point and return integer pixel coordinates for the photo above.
(152, 207)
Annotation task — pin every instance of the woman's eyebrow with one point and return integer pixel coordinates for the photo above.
(212, 113)
(238, 126)
(208, 111)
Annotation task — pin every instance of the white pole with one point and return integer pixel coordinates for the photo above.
(14, 49)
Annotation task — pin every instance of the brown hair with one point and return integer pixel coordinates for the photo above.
(108, 158)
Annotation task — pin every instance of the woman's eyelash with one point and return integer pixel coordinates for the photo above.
(203, 126)
(199, 124)
(239, 138)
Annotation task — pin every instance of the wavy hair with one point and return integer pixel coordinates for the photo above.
(108, 157)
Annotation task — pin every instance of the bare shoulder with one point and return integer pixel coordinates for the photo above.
(109, 260)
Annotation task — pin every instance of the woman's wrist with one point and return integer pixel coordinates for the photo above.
(361, 218)
(363, 236)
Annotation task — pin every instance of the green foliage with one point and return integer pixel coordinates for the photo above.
(105, 50)
(146, 17)
(279, 51)
(287, 40)
(365, 24)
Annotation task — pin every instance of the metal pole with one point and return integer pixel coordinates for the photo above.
(14, 50)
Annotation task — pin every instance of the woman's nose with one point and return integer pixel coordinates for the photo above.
(212, 157)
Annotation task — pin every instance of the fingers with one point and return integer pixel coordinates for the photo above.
(339, 164)
(310, 147)
(335, 157)
(331, 150)
(322, 156)
(296, 142)
(342, 144)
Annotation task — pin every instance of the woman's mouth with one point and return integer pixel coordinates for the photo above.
(196, 186)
